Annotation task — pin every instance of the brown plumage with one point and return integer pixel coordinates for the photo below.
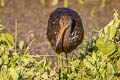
(65, 30)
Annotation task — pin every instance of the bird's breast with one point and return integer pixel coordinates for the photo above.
(70, 40)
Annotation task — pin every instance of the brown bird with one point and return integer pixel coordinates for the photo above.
(65, 30)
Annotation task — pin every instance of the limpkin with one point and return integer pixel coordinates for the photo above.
(65, 30)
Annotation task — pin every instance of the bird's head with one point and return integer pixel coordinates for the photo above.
(65, 22)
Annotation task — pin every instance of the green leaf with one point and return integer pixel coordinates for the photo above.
(5, 59)
(100, 44)
(30, 71)
(93, 11)
(45, 76)
(2, 38)
(110, 69)
(65, 3)
(105, 48)
(1, 61)
(10, 39)
(75, 64)
(88, 64)
(90, 59)
(103, 3)
(2, 50)
(111, 28)
(94, 56)
(2, 3)
(112, 32)
(21, 45)
(81, 1)
(42, 2)
(65, 76)
(2, 27)
(115, 15)
(13, 73)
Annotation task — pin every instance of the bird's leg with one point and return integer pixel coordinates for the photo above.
(59, 66)
(58, 62)
(59, 57)
(67, 62)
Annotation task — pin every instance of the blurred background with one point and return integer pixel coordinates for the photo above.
(32, 17)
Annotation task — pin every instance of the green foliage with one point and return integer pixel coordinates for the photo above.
(105, 47)
(15, 66)
(81, 1)
(104, 55)
(100, 59)
(2, 3)
(103, 3)
(2, 27)
(65, 3)
(93, 11)
(42, 2)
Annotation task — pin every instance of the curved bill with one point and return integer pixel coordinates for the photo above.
(60, 36)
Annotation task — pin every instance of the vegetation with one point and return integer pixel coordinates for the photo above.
(2, 2)
(98, 59)
(81, 2)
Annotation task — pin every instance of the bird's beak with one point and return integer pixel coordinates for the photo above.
(60, 36)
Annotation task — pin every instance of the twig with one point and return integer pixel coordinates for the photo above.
(15, 35)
